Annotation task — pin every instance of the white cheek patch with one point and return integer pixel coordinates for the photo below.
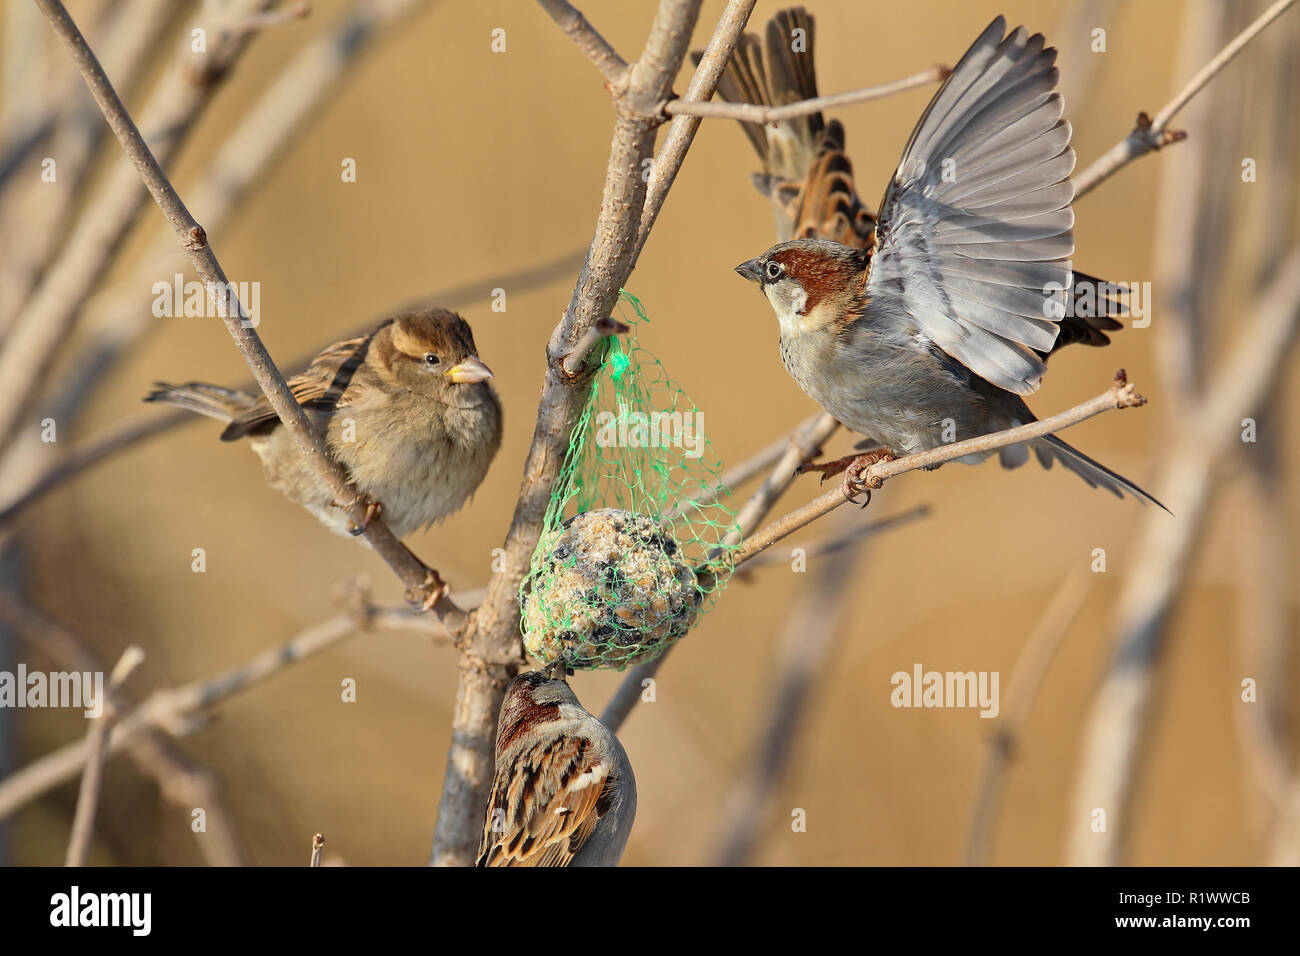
(798, 301)
(787, 311)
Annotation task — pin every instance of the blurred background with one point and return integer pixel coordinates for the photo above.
(478, 170)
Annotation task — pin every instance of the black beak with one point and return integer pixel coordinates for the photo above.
(750, 270)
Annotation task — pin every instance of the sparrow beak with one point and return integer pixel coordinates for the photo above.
(470, 370)
(750, 270)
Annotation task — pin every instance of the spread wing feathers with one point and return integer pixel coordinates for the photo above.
(1095, 302)
(975, 232)
(539, 818)
(320, 387)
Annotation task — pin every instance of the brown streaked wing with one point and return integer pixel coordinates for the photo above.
(321, 386)
(546, 825)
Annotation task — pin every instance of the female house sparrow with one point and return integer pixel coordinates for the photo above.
(407, 410)
(564, 793)
(931, 333)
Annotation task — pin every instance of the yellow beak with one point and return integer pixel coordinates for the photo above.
(470, 370)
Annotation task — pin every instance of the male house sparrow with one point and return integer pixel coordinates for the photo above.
(406, 409)
(564, 793)
(931, 331)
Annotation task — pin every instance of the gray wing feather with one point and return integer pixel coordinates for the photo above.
(976, 225)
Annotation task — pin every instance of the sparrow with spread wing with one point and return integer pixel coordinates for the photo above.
(931, 329)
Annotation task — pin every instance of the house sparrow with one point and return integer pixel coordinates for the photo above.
(564, 793)
(407, 410)
(932, 331)
(808, 176)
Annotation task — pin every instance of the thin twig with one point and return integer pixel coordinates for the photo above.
(1149, 134)
(681, 131)
(194, 240)
(811, 629)
(1119, 719)
(755, 113)
(83, 820)
(606, 59)
(839, 541)
(317, 847)
(1119, 395)
(803, 443)
(271, 18)
(1031, 667)
(50, 314)
(576, 360)
(182, 710)
(182, 782)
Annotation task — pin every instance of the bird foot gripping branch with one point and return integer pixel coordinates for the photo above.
(373, 509)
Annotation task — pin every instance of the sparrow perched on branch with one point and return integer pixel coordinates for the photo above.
(407, 410)
(931, 328)
(564, 793)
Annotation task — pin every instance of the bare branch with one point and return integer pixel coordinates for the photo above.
(1149, 134)
(181, 710)
(1022, 689)
(576, 360)
(810, 634)
(839, 541)
(491, 651)
(182, 782)
(83, 820)
(605, 57)
(194, 240)
(1119, 395)
(681, 132)
(49, 315)
(1121, 711)
(753, 113)
(317, 847)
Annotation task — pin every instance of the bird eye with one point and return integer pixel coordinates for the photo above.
(774, 270)
(430, 358)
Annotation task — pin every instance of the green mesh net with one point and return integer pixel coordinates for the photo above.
(637, 539)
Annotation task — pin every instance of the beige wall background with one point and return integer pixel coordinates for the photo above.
(472, 165)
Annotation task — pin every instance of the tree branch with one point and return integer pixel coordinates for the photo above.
(1119, 395)
(1022, 690)
(50, 314)
(580, 31)
(194, 240)
(183, 709)
(491, 651)
(1149, 134)
(754, 113)
(1120, 713)
(83, 820)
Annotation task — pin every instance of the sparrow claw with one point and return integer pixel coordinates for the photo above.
(373, 510)
(856, 480)
(827, 469)
(431, 592)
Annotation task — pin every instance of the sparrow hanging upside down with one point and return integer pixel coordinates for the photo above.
(925, 325)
